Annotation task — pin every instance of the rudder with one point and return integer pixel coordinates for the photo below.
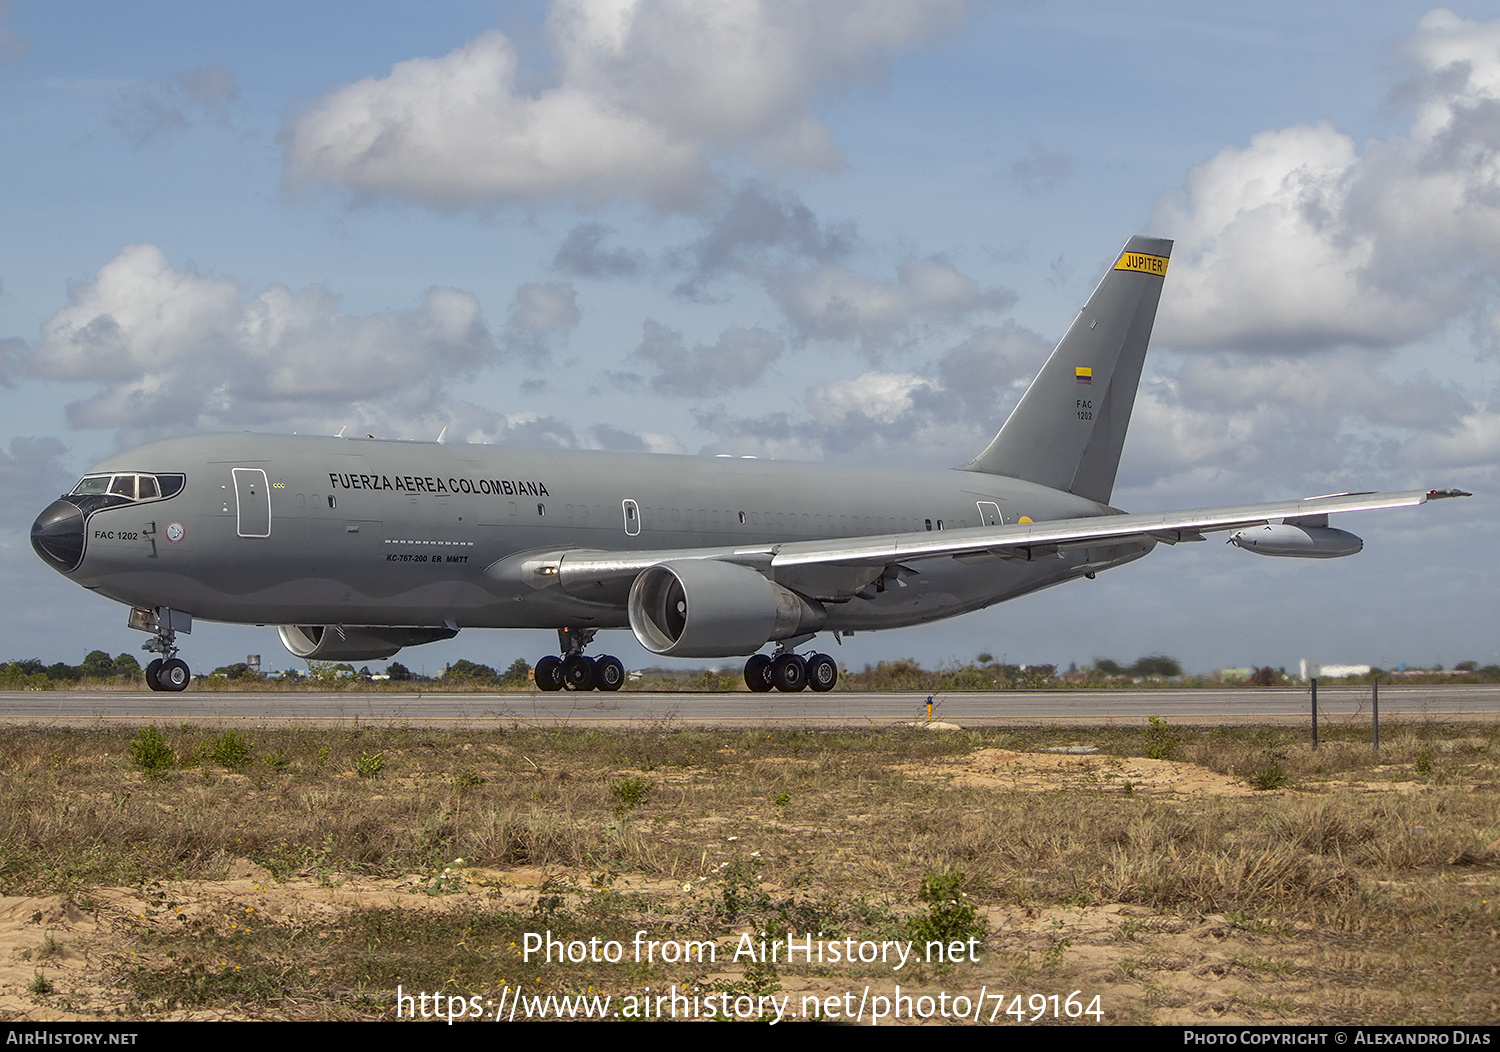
(1069, 427)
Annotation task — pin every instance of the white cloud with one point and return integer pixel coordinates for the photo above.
(155, 111)
(1303, 240)
(1228, 427)
(31, 474)
(175, 349)
(881, 397)
(541, 318)
(755, 227)
(942, 415)
(645, 96)
(1471, 449)
(836, 303)
(737, 359)
(583, 253)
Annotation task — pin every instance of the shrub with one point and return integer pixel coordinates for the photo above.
(150, 753)
(231, 750)
(630, 792)
(950, 915)
(1161, 743)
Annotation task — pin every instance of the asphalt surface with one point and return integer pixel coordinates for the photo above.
(1236, 706)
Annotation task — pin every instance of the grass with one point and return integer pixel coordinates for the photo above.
(775, 830)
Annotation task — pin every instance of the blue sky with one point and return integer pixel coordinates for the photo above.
(843, 231)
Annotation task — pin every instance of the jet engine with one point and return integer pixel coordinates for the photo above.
(355, 642)
(706, 608)
(1297, 541)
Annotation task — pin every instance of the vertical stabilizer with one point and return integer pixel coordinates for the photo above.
(1069, 427)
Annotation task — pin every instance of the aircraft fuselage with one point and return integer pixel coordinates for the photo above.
(297, 529)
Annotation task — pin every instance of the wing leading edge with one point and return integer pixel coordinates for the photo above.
(608, 574)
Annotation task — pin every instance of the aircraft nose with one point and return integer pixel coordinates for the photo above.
(57, 535)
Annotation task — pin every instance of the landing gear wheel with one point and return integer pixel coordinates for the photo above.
(758, 673)
(578, 672)
(609, 673)
(822, 673)
(174, 675)
(789, 673)
(549, 673)
(151, 670)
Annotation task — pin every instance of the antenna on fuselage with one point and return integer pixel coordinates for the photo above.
(443, 434)
(341, 431)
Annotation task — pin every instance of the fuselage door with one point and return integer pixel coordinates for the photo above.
(989, 513)
(253, 496)
(632, 518)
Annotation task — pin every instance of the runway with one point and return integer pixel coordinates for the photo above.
(1232, 706)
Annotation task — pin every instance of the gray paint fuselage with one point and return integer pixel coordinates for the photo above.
(367, 532)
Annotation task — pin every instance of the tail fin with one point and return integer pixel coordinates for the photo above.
(1069, 427)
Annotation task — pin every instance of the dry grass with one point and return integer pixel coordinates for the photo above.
(1364, 891)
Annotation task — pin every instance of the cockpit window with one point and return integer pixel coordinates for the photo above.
(130, 486)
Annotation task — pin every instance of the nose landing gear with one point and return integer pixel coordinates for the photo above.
(168, 672)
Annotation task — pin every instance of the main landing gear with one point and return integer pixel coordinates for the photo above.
(575, 671)
(789, 673)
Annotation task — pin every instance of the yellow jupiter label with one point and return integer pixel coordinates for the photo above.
(1142, 262)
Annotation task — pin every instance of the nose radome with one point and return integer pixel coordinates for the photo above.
(57, 536)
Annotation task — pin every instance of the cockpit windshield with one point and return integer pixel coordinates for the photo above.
(130, 485)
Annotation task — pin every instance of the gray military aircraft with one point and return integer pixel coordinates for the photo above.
(358, 547)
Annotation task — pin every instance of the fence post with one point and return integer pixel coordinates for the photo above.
(1314, 682)
(1375, 705)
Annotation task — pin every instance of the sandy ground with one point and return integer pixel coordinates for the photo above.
(1143, 966)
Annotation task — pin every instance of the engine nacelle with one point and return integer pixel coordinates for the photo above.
(1298, 542)
(355, 642)
(706, 608)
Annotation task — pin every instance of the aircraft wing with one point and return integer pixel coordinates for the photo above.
(825, 565)
(1017, 541)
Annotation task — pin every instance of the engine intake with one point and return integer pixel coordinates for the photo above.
(706, 608)
(355, 642)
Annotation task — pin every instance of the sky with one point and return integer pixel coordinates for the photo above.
(845, 230)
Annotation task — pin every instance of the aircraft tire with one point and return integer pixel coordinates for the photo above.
(789, 673)
(822, 673)
(151, 670)
(549, 673)
(609, 673)
(758, 673)
(578, 672)
(174, 675)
